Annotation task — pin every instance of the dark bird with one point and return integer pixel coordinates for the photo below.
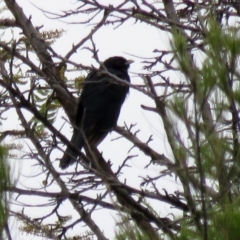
(99, 106)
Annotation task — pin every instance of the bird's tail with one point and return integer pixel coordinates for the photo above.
(70, 156)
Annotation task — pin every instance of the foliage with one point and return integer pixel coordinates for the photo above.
(4, 183)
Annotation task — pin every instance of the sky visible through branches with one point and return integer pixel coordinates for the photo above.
(130, 41)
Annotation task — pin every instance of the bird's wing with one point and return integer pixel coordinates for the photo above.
(99, 91)
(94, 95)
(100, 102)
(88, 91)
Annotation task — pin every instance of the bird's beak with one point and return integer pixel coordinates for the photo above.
(128, 62)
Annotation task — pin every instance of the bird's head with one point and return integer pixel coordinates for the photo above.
(118, 63)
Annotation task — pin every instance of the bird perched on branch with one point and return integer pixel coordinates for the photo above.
(99, 106)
